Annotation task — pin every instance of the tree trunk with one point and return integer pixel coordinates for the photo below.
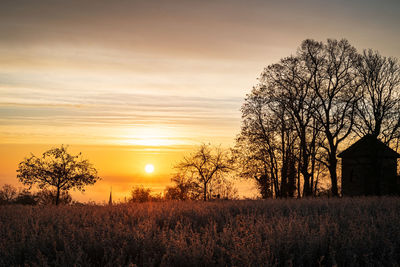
(58, 196)
(291, 182)
(332, 171)
(304, 165)
(205, 191)
(298, 178)
(284, 169)
(284, 175)
(332, 166)
(306, 187)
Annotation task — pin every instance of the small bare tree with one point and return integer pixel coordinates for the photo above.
(205, 164)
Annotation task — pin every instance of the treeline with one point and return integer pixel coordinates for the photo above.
(186, 189)
(200, 175)
(11, 195)
(310, 105)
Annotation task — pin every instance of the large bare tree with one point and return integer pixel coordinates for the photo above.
(335, 84)
(291, 85)
(378, 110)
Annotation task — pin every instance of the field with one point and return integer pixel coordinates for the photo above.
(308, 232)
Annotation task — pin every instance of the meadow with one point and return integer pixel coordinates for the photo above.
(306, 232)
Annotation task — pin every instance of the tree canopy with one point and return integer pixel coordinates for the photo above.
(58, 169)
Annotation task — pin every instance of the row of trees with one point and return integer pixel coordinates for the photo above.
(184, 189)
(218, 187)
(306, 106)
(10, 195)
(199, 176)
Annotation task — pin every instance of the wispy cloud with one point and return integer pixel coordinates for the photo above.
(167, 72)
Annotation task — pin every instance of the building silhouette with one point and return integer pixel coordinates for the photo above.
(369, 167)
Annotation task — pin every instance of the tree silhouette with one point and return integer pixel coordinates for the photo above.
(8, 194)
(184, 188)
(140, 194)
(325, 94)
(378, 110)
(289, 84)
(58, 169)
(205, 164)
(47, 196)
(265, 146)
(336, 87)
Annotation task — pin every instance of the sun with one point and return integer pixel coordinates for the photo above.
(149, 168)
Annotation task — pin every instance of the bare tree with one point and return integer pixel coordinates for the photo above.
(58, 169)
(290, 84)
(336, 87)
(322, 94)
(205, 164)
(265, 145)
(378, 110)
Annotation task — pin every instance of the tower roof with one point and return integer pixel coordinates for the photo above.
(369, 146)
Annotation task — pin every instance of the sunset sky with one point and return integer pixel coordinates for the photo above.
(130, 83)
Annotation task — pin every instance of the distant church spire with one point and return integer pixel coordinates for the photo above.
(110, 199)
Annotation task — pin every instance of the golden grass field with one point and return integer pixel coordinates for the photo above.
(306, 232)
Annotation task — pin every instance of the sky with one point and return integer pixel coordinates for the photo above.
(129, 83)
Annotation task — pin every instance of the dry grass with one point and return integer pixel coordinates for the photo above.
(346, 232)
